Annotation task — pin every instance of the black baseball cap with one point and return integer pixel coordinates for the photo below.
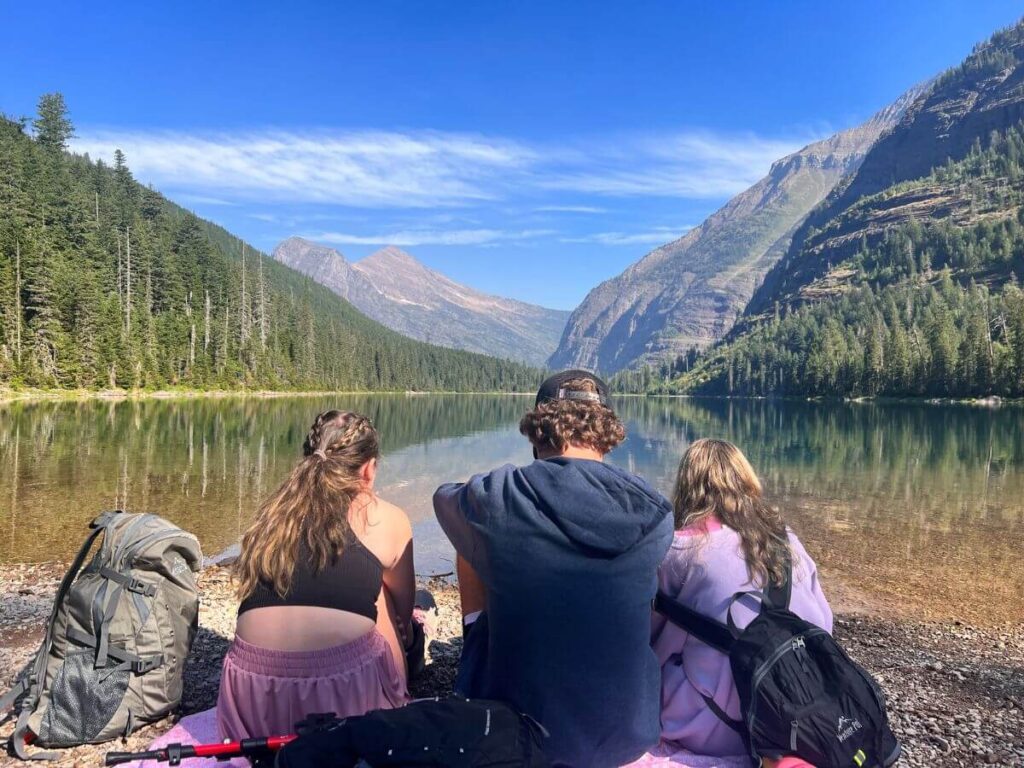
(553, 388)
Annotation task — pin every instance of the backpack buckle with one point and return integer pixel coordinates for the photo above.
(141, 587)
(142, 666)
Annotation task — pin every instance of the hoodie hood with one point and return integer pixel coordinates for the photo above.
(599, 508)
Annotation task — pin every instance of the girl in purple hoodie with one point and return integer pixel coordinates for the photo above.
(728, 539)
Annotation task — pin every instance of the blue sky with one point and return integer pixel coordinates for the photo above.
(529, 149)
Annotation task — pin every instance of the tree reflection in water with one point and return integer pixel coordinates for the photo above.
(902, 504)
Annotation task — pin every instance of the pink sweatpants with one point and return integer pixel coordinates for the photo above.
(265, 692)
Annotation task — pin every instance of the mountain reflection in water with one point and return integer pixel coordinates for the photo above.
(903, 504)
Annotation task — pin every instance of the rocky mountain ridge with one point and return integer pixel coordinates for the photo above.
(906, 280)
(961, 111)
(688, 293)
(395, 289)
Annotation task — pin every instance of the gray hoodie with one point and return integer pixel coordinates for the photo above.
(568, 550)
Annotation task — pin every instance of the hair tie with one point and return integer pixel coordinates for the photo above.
(321, 453)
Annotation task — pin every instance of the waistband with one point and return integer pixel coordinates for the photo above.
(318, 663)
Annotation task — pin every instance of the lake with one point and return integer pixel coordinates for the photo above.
(909, 509)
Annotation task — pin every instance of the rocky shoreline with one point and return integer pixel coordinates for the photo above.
(955, 692)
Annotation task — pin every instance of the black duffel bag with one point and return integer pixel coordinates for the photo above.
(453, 731)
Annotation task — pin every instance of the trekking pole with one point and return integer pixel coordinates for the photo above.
(173, 754)
(256, 749)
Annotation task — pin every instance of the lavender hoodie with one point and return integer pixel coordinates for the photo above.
(703, 572)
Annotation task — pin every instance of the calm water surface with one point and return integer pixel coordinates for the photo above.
(913, 509)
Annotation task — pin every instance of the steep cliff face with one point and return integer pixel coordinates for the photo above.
(961, 110)
(688, 293)
(398, 291)
(905, 281)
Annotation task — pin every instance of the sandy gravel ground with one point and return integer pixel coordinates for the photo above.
(955, 692)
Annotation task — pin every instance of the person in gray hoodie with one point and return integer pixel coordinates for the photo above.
(557, 567)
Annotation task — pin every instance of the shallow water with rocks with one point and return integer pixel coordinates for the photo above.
(901, 504)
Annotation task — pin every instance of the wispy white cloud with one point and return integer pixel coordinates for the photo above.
(189, 199)
(656, 236)
(571, 209)
(410, 238)
(376, 169)
(362, 169)
(691, 165)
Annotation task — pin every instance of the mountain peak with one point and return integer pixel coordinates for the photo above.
(295, 247)
(392, 256)
(687, 293)
(397, 290)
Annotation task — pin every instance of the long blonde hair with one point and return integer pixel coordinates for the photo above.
(311, 507)
(716, 480)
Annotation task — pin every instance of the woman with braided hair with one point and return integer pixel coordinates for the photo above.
(327, 585)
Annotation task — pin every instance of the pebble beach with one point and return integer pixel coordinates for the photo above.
(955, 692)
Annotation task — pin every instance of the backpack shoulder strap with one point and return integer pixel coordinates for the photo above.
(707, 630)
(737, 725)
(29, 681)
(779, 595)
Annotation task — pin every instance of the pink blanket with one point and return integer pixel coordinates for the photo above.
(200, 728)
(665, 756)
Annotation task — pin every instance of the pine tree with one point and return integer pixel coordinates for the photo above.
(53, 126)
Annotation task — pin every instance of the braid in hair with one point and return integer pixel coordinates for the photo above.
(311, 509)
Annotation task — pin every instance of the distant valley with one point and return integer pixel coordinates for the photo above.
(398, 291)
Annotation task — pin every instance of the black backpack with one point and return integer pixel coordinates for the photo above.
(799, 692)
(452, 731)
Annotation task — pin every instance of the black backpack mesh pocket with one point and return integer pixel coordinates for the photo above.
(83, 700)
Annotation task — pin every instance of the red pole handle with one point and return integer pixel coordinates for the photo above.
(240, 748)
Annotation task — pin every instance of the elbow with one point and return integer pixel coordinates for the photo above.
(445, 499)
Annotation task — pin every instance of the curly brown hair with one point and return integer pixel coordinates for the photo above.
(556, 424)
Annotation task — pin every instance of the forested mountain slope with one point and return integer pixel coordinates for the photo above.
(395, 289)
(909, 287)
(104, 283)
(688, 293)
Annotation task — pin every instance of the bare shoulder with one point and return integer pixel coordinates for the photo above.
(387, 520)
(383, 528)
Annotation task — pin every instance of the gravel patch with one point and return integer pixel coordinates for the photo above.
(955, 692)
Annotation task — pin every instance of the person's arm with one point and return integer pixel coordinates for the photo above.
(809, 569)
(472, 592)
(400, 574)
(457, 512)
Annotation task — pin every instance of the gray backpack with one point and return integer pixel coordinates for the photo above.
(117, 639)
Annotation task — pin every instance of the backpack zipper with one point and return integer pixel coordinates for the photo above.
(117, 553)
(794, 642)
(147, 541)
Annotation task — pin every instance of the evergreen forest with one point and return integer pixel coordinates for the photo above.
(105, 283)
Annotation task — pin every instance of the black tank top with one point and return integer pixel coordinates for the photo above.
(351, 582)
